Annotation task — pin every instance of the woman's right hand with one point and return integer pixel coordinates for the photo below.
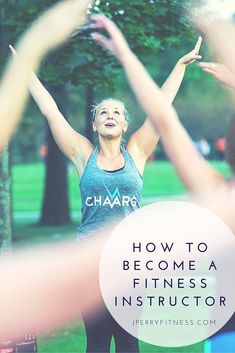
(116, 44)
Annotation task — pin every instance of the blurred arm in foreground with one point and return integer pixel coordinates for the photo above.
(41, 288)
(48, 32)
(44, 288)
(196, 173)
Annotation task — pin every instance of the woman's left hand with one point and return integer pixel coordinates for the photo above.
(116, 43)
(192, 55)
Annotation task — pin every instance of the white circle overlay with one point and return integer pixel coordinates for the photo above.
(167, 273)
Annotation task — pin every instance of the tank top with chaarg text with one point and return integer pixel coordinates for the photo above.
(107, 197)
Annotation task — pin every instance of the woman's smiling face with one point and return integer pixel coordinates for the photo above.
(110, 121)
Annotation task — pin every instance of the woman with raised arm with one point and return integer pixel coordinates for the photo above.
(196, 174)
(111, 176)
(110, 122)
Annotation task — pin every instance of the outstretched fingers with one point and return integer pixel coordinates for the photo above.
(116, 43)
(100, 39)
(220, 71)
(198, 45)
(208, 66)
(210, 71)
(103, 22)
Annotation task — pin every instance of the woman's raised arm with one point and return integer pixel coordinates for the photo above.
(75, 146)
(47, 32)
(196, 174)
(172, 84)
(143, 142)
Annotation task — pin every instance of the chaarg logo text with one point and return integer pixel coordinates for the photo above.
(111, 199)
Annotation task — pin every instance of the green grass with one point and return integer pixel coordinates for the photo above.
(72, 339)
(160, 180)
(69, 339)
(33, 234)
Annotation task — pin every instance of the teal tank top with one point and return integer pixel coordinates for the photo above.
(107, 197)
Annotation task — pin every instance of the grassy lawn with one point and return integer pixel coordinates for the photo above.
(72, 340)
(160, 180)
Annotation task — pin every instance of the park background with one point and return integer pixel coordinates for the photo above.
(39, 188)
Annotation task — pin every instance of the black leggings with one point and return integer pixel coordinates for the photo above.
(99, 331)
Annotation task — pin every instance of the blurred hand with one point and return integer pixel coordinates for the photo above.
(116, 43)
(192, 55)
(220, 72)
(57, 24)
(221, 35)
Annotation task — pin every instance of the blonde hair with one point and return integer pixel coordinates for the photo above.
(96, 107)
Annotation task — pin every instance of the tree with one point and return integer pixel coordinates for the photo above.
(149, 26)
(55, 208)
(56, 182)
(5, 203)
(5, 187)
